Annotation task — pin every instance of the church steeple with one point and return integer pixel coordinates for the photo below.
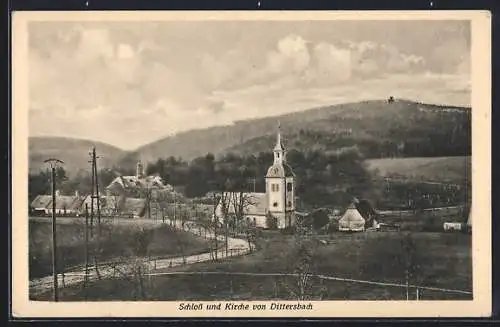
(279, 149)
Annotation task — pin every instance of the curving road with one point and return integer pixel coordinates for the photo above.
(111, 270)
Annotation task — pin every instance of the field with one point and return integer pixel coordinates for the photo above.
(118, 241)
(438, 169)
(435, 259)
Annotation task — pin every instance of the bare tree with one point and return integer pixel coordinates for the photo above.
(301, 262)
(241, 201)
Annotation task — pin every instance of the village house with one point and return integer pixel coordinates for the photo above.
(140, 183)
(359, 216)
(66, 205)
(277, 203)
(452, 226)
(116, 206)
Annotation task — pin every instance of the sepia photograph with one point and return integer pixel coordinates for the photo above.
(219, 164)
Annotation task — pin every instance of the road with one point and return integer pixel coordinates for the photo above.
(111, 270)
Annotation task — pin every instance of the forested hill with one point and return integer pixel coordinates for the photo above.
(74, 153)
(379, 129)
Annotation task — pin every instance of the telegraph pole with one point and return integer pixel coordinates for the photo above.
(53, 162)
(86, 248)
(95, 193)
(94, 159)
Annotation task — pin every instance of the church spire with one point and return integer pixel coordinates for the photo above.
(278, 145)
(279, 149)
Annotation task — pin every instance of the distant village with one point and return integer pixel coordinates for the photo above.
(149, 197)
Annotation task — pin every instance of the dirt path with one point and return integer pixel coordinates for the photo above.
(111, 270)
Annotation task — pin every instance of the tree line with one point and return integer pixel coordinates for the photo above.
(323, 179)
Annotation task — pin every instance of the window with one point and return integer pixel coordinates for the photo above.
(277, 155)
(289, 187)
(277, 187)
(275, 204)
(289, 203)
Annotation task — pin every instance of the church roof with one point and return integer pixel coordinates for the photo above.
(280, 170)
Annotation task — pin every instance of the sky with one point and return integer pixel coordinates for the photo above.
(131, 83)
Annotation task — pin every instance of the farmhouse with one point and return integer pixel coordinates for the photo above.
(65, 204)
(277, 203)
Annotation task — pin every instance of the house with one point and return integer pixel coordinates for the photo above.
(108, 205)
(138, 184)
(250, 205)
(277, 203)
(359, 216)
(112, 206)
(352, 220)
(67, 205)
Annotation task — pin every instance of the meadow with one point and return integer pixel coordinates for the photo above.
(440, 260)
(117, 242)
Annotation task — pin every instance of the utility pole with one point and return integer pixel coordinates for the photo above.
(95, 192)
(53, 162)
(86, 248)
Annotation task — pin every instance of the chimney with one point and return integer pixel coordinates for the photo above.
(58, 193)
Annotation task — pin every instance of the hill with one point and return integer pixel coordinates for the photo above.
(380, 129)
(74, 153)
(442, 169)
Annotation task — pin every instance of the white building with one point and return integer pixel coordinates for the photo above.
(277, 203)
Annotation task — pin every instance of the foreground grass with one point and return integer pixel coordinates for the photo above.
(117, 242)
(443, 260)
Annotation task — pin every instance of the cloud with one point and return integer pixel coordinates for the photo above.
(291, 54)
(131, 90)
(125, 51)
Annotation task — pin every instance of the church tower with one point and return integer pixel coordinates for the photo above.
(280, 187)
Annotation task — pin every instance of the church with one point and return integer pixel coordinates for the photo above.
(276, 204)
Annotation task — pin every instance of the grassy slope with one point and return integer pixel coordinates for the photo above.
(445, 261)
(443, 169)
(118, 242)
(74, 152)
(368, 122)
